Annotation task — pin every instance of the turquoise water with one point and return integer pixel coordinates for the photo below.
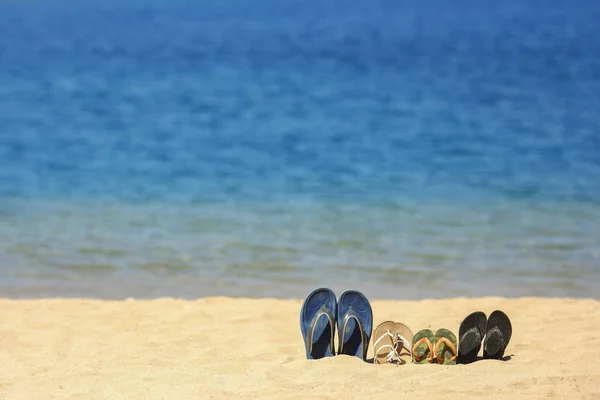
(265, 148)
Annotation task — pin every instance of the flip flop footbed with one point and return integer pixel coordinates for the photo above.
(321, 331)
(383, 338)
(317, 323)
(445, 347)
(422, 346)
(388, 343)
(404, 349)
(355, 324)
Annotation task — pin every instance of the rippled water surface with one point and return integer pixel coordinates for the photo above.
(405, 149)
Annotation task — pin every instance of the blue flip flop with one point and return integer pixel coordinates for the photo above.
(355, 324)
(317, 323)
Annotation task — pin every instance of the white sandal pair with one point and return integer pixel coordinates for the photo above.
(392, 343)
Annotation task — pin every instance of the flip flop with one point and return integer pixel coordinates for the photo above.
(445, 347)
(497, 335)
(405, 336)
(317, 323)
(422, 347)
(471, 333)
(392, 343)
(355, 324)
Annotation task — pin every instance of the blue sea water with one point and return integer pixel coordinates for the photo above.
(264, 148)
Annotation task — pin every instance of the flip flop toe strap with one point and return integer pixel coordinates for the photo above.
(350, 314)
(402, 340)
(447, 342)
(398, 342)
(392, 347)
(311, 330)
(420, 342)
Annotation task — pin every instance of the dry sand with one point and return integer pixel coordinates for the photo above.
(245, 348)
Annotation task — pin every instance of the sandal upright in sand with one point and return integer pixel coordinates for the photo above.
(317, 324)
(422, 347)
(497, 335)
(392, 343)
(445, 347)
(354, 324)
(471, 333)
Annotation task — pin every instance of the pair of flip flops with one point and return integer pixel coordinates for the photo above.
(430, 347)
(496, 329)
(392, 343)
(322, 314)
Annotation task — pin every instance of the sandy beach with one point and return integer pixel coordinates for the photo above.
(252, 348)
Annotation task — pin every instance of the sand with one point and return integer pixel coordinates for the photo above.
(252, 348)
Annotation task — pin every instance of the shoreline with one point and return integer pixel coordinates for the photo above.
(380, 301)
(220, 347)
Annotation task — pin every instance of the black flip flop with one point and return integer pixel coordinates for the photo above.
(471, 333)
(497, 335)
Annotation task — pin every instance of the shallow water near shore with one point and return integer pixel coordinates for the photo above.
(409, 151)
(283, 250)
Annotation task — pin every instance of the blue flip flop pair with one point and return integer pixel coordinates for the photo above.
(321, 315)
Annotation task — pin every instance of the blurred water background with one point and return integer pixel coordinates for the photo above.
(407, 149)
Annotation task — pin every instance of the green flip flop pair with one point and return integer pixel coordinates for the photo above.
(439, 347)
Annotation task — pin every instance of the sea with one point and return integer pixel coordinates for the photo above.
(264, 148)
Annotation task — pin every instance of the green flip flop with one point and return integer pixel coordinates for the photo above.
(445, 347)
(422, 347)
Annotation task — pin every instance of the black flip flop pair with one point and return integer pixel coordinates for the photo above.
(496, 329)
(321, 314)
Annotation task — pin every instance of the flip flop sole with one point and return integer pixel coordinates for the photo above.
(470, 334)
(497, 336)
